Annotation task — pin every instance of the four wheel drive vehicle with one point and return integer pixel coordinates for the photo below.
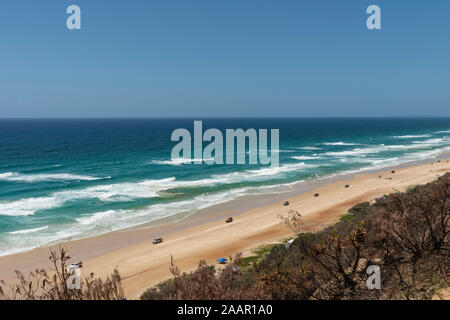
(157, 240)
(76, 265)
(229, 220)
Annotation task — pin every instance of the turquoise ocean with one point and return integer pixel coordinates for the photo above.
(64, 179)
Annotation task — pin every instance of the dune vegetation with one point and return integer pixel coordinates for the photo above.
(61, 283)
(405, 234)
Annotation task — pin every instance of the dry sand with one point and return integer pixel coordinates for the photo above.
(143, 264)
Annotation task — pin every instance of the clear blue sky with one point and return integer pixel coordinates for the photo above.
(206, 58)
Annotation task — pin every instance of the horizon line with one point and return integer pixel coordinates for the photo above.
(223, 117)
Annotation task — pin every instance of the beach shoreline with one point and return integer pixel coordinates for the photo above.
(205, 236)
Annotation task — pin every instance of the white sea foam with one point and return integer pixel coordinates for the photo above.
(357, 152)
(260, 174)
(305, 157)
(410, 146)
(18, 177)
(355, 160)
(90, 219)
(377, 164)
(309, 148)
(269, 151)
(276, 170)
(119, 191)
(181, 161)
(28, 206)
(423, 155)
(363, 152)
(340, 143)
(422, 144)
(433, 141)
(26, 240)
(128, 191)
(413, 136)
(111, 192)
(15, 243)
(29, 230)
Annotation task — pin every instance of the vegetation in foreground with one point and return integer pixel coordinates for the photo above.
(60, 283)
(406, 234)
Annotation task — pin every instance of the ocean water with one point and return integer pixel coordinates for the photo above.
(71, 179)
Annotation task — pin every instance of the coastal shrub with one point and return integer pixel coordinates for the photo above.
(205, 283)
(53, 284)
(411, 233)
(360, 209)
(406, 234)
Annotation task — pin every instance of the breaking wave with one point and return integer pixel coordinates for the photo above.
(18, 177)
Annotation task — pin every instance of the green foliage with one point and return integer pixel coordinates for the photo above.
(259, 255)
(358, 211)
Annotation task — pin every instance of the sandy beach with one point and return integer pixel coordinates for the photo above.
(207, 237)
